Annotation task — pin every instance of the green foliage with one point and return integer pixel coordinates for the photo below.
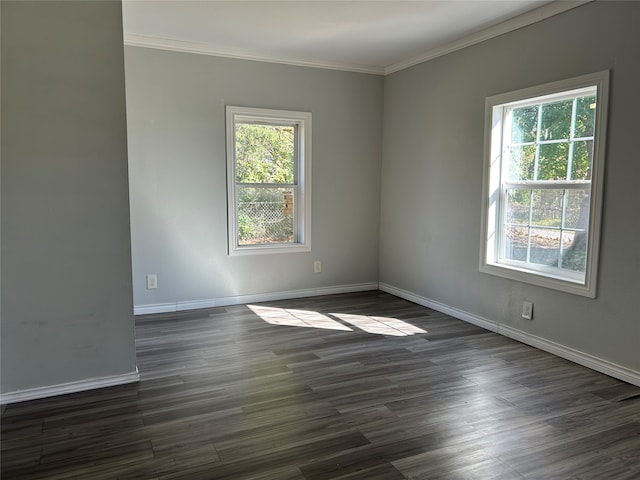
(555, 121)
(553, 161)
(264, 153)
(561, 159)
(522, 162)
(525, 124)
(585, 117)
(247, 227)
(550, 142)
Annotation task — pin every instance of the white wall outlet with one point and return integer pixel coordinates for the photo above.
(527, 310)
(152, 281)
(317, 266)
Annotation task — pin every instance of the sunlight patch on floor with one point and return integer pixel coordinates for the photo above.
(311, 319)
(297, 318)
(380, 325)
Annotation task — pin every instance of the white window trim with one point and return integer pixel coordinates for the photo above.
(303, 209)
(492, 183)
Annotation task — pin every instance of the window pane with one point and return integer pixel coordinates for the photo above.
(264, 153)
(542, 148)
(577, 214)
(516, 241)
(265, 215)
(552, 161)
(575, 251)
(522, 162)
(524, 124)
(518, 201)
(547, 207)
(582, 160)
(556, 120)
(545, 246)
(585, 116)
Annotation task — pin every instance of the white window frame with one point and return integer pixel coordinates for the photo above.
(494, 180)
(302, 181)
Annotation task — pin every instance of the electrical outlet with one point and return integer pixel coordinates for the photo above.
(152, 281)
(317, 266)
(527, 310)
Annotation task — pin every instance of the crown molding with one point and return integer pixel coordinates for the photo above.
(204, 49)
(549, 10)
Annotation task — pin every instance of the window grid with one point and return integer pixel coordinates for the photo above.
(269, 180)
(522, 162)
(536, 183)
(269, 213)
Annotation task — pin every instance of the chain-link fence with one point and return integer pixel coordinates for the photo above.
(264, 222)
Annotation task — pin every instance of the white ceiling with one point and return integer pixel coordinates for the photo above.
(366, 36)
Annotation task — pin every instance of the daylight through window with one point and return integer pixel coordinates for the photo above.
(268, 161)
(543, 178)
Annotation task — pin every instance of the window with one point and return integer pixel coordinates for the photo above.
(544, 161)
(268, 180)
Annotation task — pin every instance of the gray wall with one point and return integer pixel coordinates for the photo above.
(67, 309)
(432, 178)
(175, 114)
(66, 263)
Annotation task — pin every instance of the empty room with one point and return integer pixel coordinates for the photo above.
(320, 240)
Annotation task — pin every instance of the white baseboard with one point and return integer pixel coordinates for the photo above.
(254, 298)
(441, 307)
(71, 387)
(585, 359)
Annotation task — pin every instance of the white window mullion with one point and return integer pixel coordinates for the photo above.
(551, 184)
(266, 209)
(537, 155)
(505, 132)
(563, 218)
(529, 223)
(572, 133)
(572, 271)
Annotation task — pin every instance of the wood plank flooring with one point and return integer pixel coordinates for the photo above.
(353, 386)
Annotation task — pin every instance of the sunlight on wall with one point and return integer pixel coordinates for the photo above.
(307, 318)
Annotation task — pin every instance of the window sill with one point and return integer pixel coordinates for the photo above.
(269, 249)
(541, 279)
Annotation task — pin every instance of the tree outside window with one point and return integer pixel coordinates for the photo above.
(268, 160)
(544, 163)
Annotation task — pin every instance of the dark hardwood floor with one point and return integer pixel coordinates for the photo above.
(353, 386)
